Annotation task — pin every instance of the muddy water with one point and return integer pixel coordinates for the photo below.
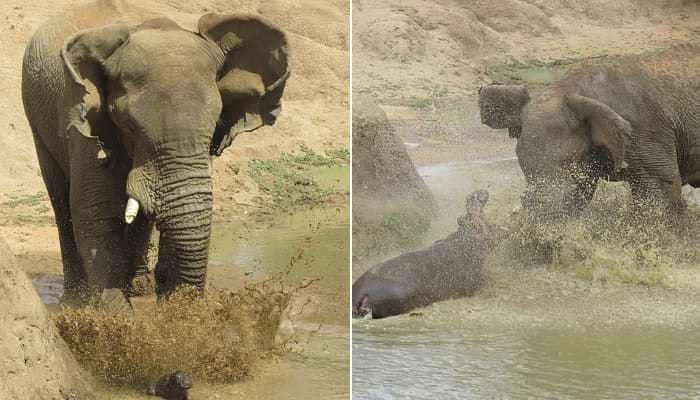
(416, 357)
(533, 331)
(317, 243)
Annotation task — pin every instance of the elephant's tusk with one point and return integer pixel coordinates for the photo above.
(132, 208)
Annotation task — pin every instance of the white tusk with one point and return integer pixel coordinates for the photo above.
(132, 208)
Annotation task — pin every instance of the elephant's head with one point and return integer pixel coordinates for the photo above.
(160, 100)
(566, 141)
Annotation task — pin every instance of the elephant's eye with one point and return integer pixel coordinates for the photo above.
(131, 126)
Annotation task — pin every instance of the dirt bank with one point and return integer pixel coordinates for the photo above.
(431, 48)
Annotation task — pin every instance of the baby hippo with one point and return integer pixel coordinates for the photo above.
(450, 268)
(175, 386)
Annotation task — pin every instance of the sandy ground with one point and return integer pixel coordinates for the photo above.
(428, 46)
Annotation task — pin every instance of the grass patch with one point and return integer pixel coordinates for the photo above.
(233, 167)
(290, 179)
(407, 228)
(529, 72)
(26, 208)
(434, 95)
(29, 200)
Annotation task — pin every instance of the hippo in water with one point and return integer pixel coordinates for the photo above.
(449, 268)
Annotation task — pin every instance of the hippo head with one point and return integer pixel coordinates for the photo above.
(362, 307)
(378, 296)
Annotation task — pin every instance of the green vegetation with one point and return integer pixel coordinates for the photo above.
(30, 200)
(407, 228)
(304, 177)
(528, 72)
(435, 94)
(25, 208)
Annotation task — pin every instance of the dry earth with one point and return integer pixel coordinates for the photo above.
(447, 43)
(36, 362)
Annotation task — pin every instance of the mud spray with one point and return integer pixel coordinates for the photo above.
(615, 239)
(216, 338)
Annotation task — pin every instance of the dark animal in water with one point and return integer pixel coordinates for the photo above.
(449, 268)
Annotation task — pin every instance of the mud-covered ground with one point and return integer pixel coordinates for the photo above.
(314, 121)
(565, 310)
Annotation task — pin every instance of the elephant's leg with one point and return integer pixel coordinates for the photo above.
(663, 189)
(74, 277)
(97, 202)
(658, 194)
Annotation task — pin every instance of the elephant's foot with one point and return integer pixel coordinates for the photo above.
(75, 296)
(141, 285)
(114, 300)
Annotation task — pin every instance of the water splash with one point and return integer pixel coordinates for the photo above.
(216, 338)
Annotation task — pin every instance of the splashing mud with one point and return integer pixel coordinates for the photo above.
(216, 338)
(615, 238)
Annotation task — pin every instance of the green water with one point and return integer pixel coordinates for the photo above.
(311, 244)
(447, 358)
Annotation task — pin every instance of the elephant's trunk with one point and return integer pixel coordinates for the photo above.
(182, 209)
(183, 217)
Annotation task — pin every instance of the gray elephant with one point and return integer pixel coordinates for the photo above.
(126, 109)
(449, 268)
(632, 118)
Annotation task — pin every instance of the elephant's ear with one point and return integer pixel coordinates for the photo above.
(500, 107)
(84, 109)
(253, 75)
(608, 129)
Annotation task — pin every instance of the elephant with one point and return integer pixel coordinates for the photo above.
(449, 268)
(127, 109)
(631, 118)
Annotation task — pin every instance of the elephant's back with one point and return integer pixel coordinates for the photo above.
(43, 80)
(678, 66)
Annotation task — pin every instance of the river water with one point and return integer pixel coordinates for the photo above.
(535, 330)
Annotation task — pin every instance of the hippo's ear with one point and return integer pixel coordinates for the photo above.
(253, 75)
(501, 106)
(607, 128)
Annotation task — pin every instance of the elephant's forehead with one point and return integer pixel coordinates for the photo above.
(154, 54)
(547, 120)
